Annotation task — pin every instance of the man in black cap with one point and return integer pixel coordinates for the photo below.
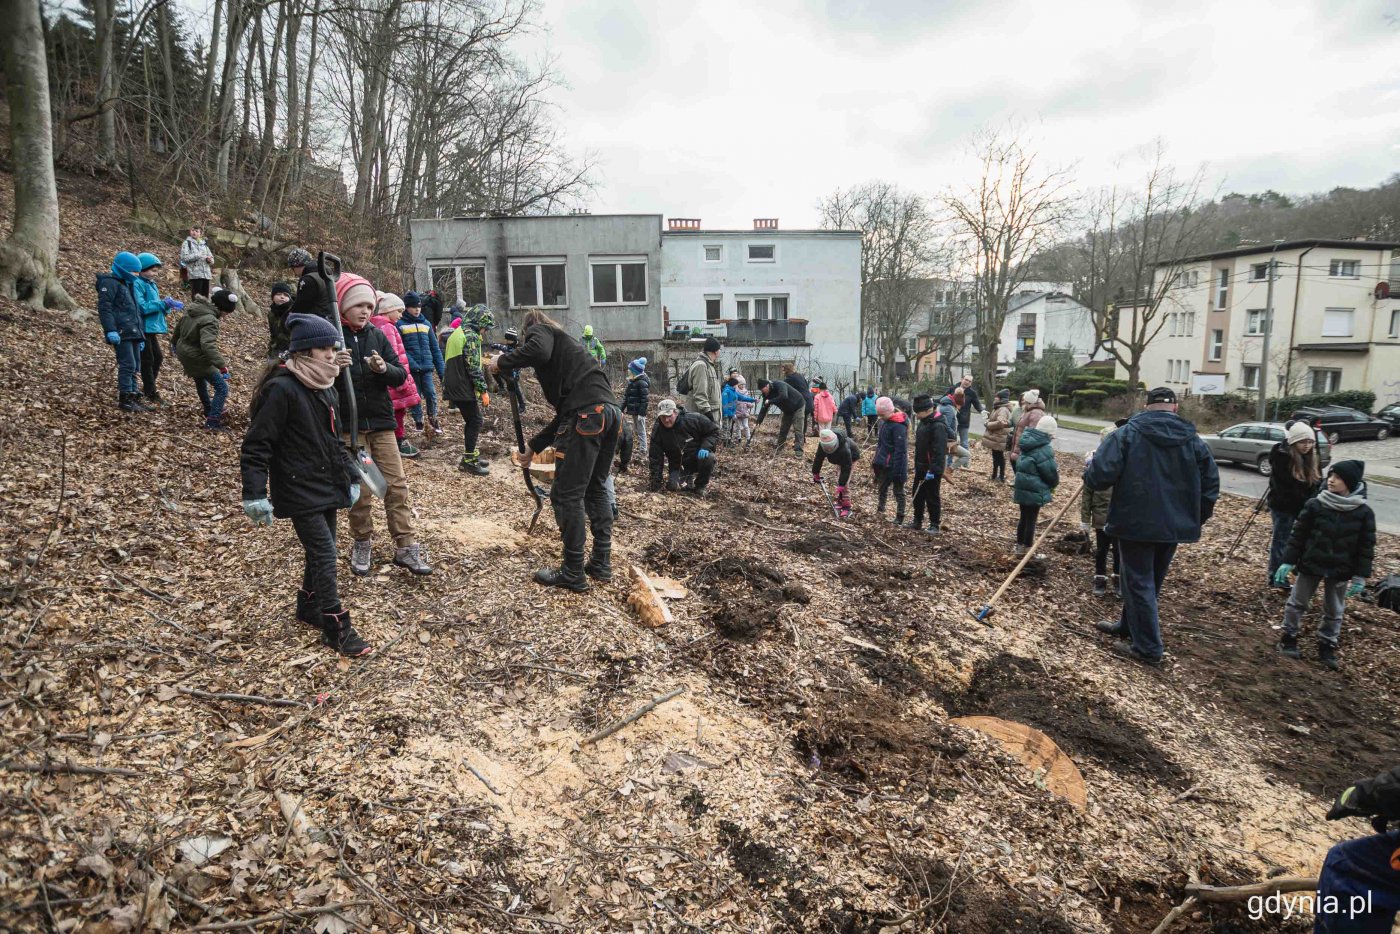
(1165, 484)
(784, 398)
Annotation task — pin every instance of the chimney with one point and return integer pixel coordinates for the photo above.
(684, 223)
(765, 223)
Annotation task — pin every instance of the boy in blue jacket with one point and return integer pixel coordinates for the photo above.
(867, 408)
(425, 359)
(123, 327)
(153, 312)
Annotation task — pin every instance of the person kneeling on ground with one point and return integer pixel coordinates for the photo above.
(685, 442)
(1364, 871)
(1333, 544)
(930, 444)
(835, 446)
(294, 467)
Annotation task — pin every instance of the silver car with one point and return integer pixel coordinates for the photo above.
(1249, 443)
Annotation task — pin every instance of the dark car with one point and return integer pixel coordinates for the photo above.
(1340, 423)
(1249, 443)
(1391, 415)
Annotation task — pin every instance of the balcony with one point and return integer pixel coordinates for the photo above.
(740, 333)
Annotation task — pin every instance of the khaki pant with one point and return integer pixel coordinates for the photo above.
(384, 448)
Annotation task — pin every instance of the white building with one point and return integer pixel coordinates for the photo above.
(1038, 318)
(771, 296)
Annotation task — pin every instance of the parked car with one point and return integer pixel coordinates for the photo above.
(1340, 423)
(1249, 443)
(1391, 415)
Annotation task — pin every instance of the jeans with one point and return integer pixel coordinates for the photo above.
(886, 484)
(1283, 527)
(151, 359)
(1144, 567)
(1360, 874)
(963, 462)
(929, 494)
(428, 396)
(316, 530)
(1025, 528)
(128, 363)
(587, 442)
(639, 433)
(384, 448)
(213, 406)
(1334, 598)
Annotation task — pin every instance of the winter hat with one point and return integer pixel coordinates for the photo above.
(125, 263)
(455, 323)
(666, 407)
(818, 383)
(351, 290)
(512, 336)
(1030, 396)
(763, 384)
(827, 439)
(296, 256)
(411, 299)
(1047, 426)
(1299, 431)
(281, 288)
(711, 345)
(884, 407)
(149, 261)
(638, 366)
(923, 402)
(1351, 472)
(739, 381)
(224, 300)
(311, 331)
(588, 330)
(1003, 395)
(388, 301)
(1161, 394)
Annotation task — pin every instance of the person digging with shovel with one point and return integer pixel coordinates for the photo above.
(834, 446)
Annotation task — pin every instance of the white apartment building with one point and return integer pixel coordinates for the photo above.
(1038, 318)
(1335, 325)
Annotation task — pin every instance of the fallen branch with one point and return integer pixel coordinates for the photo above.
(1243, 893)
(245, 698)
(634, 716)
(280, 915)
(132, 583)
(481, 778)
(66, 768)
(1175, 914)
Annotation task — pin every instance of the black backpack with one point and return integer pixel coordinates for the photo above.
(683, 383)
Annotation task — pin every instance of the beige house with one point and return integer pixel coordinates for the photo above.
(1336, 325)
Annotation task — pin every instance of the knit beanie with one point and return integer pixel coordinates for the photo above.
(388, 301)
(281, 288)
(1029, 396)
(296, 256)
(224, 300)
(1047, 426)
(411, 299)
(638, 366)
(351, 289)
(884, 407)
(711, 345)
(512, 336)
(1351, 472)
(923, 402)
(311, 331)
(827, 439)
(1300, 430)
(1003, 395)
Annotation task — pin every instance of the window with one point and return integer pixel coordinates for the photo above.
(1222, 288)
(1236, 432)
(1259, 272)
(1325, 380)
(1395, 323)
(780, 307)
(538, 284)
(962, 297)
(1254, 321)
(1337, 322)
(1217, 343)
(1028, 319)
(1171, 324)
(1345, 269)
(714, 253)
(1251, 376)
(465, 283)
(763, 253)
(760, 309)
(911, 346)
(1193, 278)
(1178, 371)
(1190, 324)
(712, 307)
(741, 309)
(620, 280)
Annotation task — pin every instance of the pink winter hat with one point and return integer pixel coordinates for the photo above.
(388, 301)
(884, 407)
(351, 289)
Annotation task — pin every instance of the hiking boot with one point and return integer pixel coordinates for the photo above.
(1100, 585)
(1112, 627)
(124, 402)
(1288, 645)
(1327, 654)
(1126, 650)
(155, 400)
(933, 530)
(915, 525)
(337, 633)
(215, 423)
(411, 558)
(138, 405)
(599, 570)
(559, 577)
(406, 449)
(307, 611)
(360, 554)
(899, 518)
(473, 466)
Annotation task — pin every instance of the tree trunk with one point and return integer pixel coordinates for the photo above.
(212, 62)
(103, 20)
(167, 57)
(293, 98)
(28, 259)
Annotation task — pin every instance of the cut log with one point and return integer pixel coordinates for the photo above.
(541, 466)
(649, 604)
(669, 588)
(1037, 751)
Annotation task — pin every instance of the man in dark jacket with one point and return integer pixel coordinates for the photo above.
(930, 445)
(315, 293)
(683, 442)
(1165, 484)
(804, 389)
(1359, 887)
(971, 400)
(584, 430)
(849, 411)
(431, 304)
(834, 446)
(784, 398)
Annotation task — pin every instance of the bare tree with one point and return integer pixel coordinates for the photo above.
(1010, 213)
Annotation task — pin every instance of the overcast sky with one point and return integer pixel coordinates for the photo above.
(733, 109)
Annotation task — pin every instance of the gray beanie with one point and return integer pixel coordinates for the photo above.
(310, 331)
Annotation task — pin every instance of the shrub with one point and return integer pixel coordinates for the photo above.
(1088, 399)
(1351, 398)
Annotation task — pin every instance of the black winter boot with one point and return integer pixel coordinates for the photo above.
(599, 566)
(125, 403)
(307, 611)
(339, 634)
(1288, 645)
(1327, 654)
(560, 577)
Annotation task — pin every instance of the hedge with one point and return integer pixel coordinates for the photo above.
(1351, 398)
(1087, 398)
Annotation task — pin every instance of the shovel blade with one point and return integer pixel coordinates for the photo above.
(370, 476)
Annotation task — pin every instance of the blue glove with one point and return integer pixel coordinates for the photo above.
(259, 510)
(174, 304)
(1358, 585)
(141, 346)
(929, 475)
(703, 454)
(113, 338)
(354, 493)
(1281, 575)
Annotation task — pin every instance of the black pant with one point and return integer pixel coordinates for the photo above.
(870, 422)
(887, 484)
(199, 287)
(697, 467)
(1103, 544)
(929, 493)
(998, 465)
(847, 420)
(151, 359)
(316, 530)
(471, 428)
(587, 443)
(1025, 529)
(789, 418)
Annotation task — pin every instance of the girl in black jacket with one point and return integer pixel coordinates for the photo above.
(1294, 478)
(930, 459)
(295, 467)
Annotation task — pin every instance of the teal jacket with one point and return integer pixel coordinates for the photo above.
(153, 310)
(1036, 473)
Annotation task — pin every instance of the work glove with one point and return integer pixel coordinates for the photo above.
(224, 373)
(140, 346)
(816, 478)
(259, 510)
(1358, 586)
(703, 454)
(113, 338)
(1346, 805)
(486, 400)
(354, 493)
(174, 304)
(1281, 575)
(929, 475)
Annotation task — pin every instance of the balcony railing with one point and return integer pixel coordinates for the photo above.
(740, 332)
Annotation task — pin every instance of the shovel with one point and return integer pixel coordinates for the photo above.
(520, 446)
(370, 477)
(829, 501)
(989, 608)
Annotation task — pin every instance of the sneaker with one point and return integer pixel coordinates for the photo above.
(933, 530)
(558, 577)
(1100, 585)
(155, 400)
(360, 554)
(1327, 654)
(406, 449)
(1020, 550)
(215, 424)
(1126, 650)
(1288, 645)
(898, 520)
(1112, 627)
(411, 558)
(418, 427)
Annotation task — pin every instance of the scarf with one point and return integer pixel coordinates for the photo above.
(312, 373)
(1344, 503)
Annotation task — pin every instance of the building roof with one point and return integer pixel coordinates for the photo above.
(762, 234)
(1286, 245)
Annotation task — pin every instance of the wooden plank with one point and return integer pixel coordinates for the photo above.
(1037, 751)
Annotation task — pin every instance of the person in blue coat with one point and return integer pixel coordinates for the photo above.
(153, 324)
(425, 359)
(1165, 484)
(1036, 478)
(123, 327)
(867, 408)
(891, 460)
(1358, 890)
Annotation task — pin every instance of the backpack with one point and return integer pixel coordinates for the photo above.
(683, 384)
